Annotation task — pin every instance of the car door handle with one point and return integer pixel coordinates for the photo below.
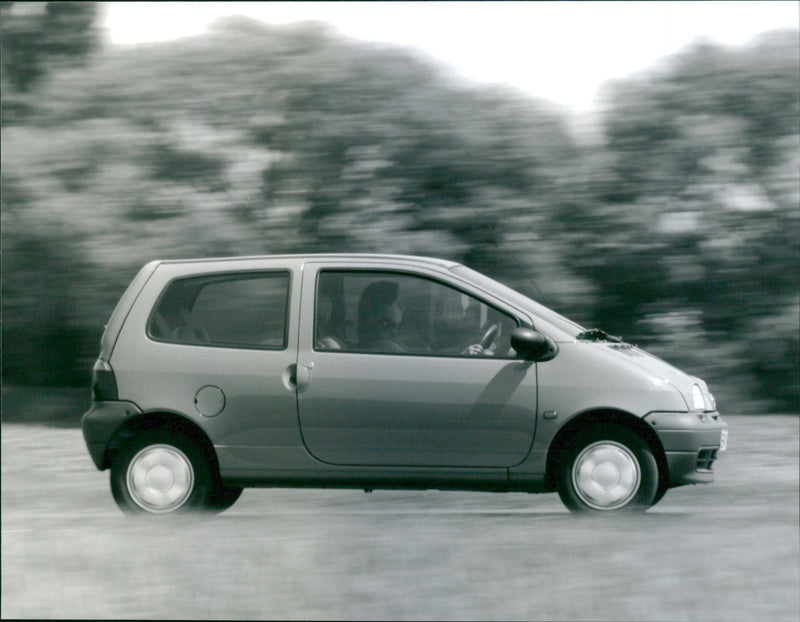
(296, 377)
(301, 376)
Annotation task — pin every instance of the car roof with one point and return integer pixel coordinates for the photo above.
(416, 259)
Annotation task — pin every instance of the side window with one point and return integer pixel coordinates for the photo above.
(230, 310)
(396, 313)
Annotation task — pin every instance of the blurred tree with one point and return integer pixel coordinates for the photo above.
(20, 38)
(696, 203)
(680, 232)
(36, 37)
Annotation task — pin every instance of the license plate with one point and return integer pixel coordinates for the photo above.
(723, 440)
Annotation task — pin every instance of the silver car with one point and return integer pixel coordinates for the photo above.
(379, 371)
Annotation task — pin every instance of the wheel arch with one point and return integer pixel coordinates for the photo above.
(560, 443)
(169, 422)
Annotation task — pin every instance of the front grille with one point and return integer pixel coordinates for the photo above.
(705, 459)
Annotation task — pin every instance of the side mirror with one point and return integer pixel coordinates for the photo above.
(529, 344)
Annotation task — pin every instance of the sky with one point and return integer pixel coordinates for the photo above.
(559, 51)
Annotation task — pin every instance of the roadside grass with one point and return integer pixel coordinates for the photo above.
(728, 551)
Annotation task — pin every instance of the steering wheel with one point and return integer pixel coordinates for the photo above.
(489, 335)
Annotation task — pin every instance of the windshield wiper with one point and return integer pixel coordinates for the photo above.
(596, 334)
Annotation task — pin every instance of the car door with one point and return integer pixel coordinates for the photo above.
(422, 400)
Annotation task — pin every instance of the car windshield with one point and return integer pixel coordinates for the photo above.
(566, 325)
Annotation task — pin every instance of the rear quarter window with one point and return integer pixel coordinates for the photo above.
(230, 310)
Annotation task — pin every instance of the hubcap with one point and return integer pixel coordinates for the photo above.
(160, 478)
(606, 475)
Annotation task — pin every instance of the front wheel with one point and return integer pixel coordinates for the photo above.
(160, 473)
(222, 497)
(608, 468)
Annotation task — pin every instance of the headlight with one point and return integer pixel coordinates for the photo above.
(698, 403)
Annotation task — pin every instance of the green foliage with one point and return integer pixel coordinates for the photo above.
(679, 232)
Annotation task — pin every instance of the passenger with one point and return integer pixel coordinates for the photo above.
(379, 315)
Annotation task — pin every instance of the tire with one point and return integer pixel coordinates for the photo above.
(662, 490)
(157, 472)
(222, 497)
(607, 468)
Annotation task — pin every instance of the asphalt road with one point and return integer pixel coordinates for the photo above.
(726, 551)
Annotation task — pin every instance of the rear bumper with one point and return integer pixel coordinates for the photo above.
(100, 423)
(691, 444)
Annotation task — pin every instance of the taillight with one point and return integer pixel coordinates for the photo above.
(104, 383)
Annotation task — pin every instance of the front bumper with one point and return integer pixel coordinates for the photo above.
(691, 444)
(99, 425)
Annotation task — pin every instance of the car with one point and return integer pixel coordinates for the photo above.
(379, 372)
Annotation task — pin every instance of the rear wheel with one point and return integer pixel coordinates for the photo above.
(608, 468)
(156, 472)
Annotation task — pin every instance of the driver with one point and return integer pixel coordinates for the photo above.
(379, 315)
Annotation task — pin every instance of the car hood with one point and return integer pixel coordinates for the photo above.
(658, 369)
